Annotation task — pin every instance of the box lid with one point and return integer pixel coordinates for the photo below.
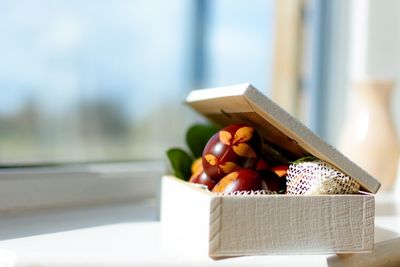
(243, 103)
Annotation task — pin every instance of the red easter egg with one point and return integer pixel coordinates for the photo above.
(262, 164)
(234, 147)
(200, 177)
(280, 170)
(273, 181)
(241, 180)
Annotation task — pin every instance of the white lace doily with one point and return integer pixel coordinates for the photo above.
(318, 178)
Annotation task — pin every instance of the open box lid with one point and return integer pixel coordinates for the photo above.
(243, 103)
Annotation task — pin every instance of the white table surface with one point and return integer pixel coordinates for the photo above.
(130, 235)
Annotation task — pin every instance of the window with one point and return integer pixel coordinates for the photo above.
(105, 80)
(91, 80)
(240, 43)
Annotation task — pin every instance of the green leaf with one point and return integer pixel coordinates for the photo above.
(197, 137)
(181, 162)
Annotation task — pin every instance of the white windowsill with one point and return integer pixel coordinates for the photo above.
(128, 234)
(107, 215)
(50, 188)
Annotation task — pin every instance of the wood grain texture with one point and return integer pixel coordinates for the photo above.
(281, 224)
(225, 226)
(223, 105)
(215, 225)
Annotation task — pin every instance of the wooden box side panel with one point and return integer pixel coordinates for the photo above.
(185, 213)
(293, 225)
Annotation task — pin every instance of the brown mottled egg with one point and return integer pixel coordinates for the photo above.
(241, 180)
(234, 147)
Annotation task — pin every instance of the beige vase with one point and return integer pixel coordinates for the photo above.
(369, 136)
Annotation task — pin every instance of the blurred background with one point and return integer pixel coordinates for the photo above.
(106, 80)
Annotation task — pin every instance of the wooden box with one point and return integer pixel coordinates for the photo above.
(225, 226)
